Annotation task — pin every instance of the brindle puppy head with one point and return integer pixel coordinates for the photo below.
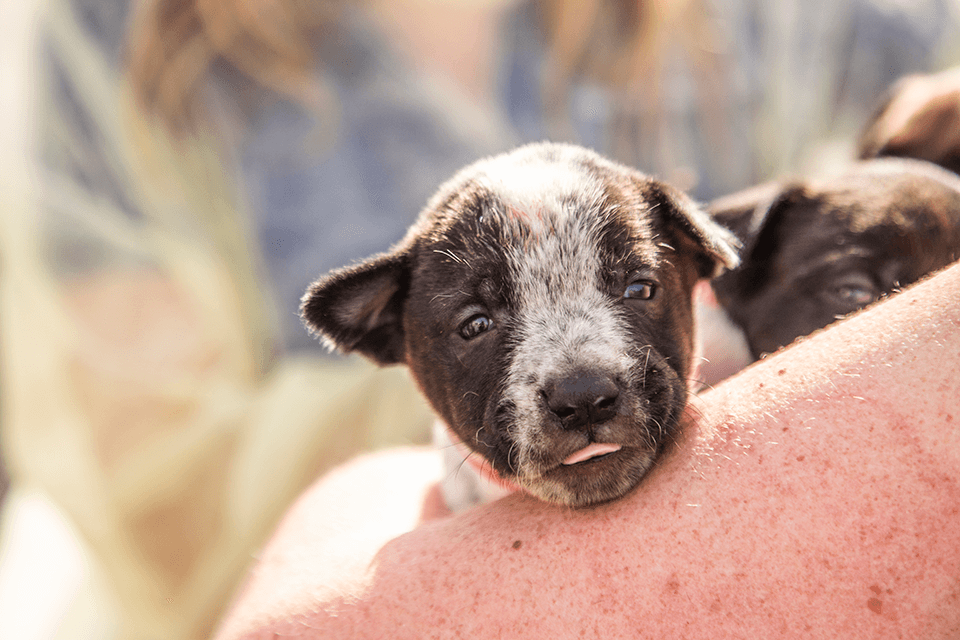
(543, 303)
(816, 252)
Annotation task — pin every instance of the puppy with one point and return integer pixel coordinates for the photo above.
(815, 252)
(543, 304)
(920, 118)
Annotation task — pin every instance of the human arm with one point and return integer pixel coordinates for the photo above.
(813, 494)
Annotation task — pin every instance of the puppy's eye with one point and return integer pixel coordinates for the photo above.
(640, 290)
(475, 326)
(852, 292)
(855, 295)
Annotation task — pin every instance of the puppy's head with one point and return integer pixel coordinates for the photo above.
(815, 252)
(920, 118)
(543, 303)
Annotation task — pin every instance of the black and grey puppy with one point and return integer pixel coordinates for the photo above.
(817, 251)
(543, 303)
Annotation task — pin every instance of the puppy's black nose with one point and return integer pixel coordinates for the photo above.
(581, 399)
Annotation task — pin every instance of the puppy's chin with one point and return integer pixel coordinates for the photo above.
(592, 481)
(596, 462)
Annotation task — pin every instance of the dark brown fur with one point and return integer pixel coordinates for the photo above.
(817, 251)
(567, 357)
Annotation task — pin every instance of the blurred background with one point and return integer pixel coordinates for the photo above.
(174, 173)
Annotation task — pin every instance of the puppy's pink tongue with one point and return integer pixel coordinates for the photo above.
(592, 451)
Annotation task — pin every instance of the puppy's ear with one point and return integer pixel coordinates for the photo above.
(919, 118)
(754, 216)
(716, 247)
(360, 308)
(751, 214)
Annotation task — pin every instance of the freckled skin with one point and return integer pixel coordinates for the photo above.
(732, 536)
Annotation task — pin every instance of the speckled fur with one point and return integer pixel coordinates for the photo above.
(542, 242)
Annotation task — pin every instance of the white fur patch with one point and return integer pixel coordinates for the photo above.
(563, 316)
(533, 190)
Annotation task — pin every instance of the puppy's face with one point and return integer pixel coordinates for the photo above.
(818, 252)
(543, 303)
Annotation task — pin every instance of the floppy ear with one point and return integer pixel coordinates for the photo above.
(360, 308)
(753, 215)
(749, 213)
(717, 248)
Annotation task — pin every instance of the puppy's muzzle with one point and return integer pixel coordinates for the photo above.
(581, 400)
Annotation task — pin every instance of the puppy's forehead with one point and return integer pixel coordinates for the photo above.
(533, 190)
(529, 197)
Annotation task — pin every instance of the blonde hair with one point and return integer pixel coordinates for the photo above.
(174, 44)
(623, 45)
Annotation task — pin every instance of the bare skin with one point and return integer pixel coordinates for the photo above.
(815, 494)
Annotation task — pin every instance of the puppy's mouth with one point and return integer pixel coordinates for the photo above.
(592, 451)
(597, 473)
(599, 458)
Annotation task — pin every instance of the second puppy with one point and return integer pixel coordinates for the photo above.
(543, 303)
(816, 251)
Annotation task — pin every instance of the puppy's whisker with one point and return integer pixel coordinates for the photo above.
(643, 382)
(660, 433)
(476, 438)
(450, 254)
(694, 409)
(526, 246)
(455, 472)
(512, 452)
(446, 445)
